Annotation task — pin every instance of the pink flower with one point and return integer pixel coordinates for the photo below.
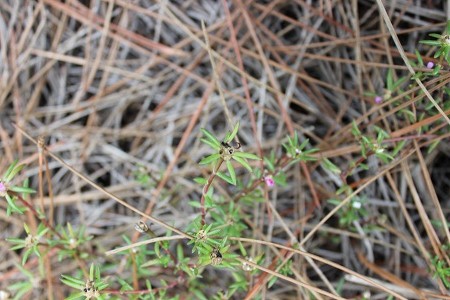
(3, 189)
(430, 65)
(269, 181)
(378, 99)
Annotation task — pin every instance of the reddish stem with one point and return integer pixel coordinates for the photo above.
(155, 290)
(36, 214)
(206, 188)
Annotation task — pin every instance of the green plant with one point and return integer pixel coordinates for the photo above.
(70, 242)
(297, 152)
(441, 270)
(23, 287)
(371, 146)
(90, 288)
(225, 152)
(392, 88)
(31, 242)
(8, 190)
(442, 41)
(433, 70)
(285, 270)
(355, 210)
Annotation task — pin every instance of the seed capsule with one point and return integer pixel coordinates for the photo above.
(141, 227)
(216, 257)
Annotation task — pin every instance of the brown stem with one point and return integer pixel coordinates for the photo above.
(155, 290)
(36, 214)
(206, 188)
(351, 168)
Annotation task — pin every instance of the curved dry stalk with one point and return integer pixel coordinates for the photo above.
(318, 258)
(146, 242)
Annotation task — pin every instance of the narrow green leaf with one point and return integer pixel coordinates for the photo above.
(398, 83)
(17, 247)
(310, 151)
(75, 296)
(364, 166)
(26, 255)
(101, 285)
(14, 172)
(92, 272)
(152, 262)
(295, 139)
(209, 203)
(327, 164)
(398, 147)
(225, 177)
(280, 179)
(12, 204)
(303, 145)
(438, 53)
(242, 162)
(430, 42)
(385, 157)
(334, 201)
(10, 169)
(389, 80)
(194, 204)
(211, 144)
(200, 180)
(433, 146)
(435, 35)
(211, 137)
(180, 254)
(22, 288)
(15, 240)
(21, 189)
(419, 58)
(447, 54)
(72, 282)
(209, 159)
(355, 129)
(246, 155)
(342, 189)
(272, 281)
(232, 172)
(36, 251)
(157, 250)
(241, 247)
(270, 161)
(208, 228)
(231, 136)
(436, 70)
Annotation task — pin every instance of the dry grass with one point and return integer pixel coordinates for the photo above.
(114, 85)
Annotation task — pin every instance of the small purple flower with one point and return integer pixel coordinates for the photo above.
(430, 65)
(3, 189)
(378, 99)
(269, 181)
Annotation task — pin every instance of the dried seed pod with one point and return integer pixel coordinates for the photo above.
(90, 291)
(201, 235)
(226, 151)
(247, 267)
(141, 227)
(41, 141)
(216, 257)
(88, 286)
